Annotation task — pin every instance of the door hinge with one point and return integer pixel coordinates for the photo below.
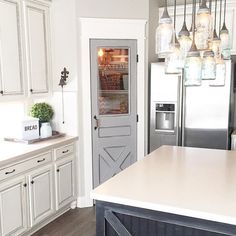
(137, 57)
(137, 118)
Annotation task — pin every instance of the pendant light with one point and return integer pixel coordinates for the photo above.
(208, 65)
(193, 65)
(184, 39)
(220, 67)
(164, 34)
(203, 26)
(173, 59)
(220, 73)
(215, 43)
(225, 38)
(209, 61)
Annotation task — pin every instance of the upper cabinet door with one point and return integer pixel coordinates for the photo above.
(38, 47)
(11, 69)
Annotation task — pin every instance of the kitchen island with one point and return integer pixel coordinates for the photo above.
(172, 191)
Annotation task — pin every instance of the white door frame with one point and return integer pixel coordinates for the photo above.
(106, 29)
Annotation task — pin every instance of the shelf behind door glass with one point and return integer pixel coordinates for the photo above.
(113, 79)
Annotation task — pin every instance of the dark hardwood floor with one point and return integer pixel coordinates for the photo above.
(77, 222)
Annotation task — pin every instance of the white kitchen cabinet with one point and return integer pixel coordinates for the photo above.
(64, 182)
(11, 53)
(32, 192)
(13, 217)
(38, 47)
(41, 194)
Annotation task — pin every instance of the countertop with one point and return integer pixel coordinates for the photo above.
(194, 182)
(11, 152)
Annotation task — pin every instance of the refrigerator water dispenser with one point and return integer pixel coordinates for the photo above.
(165, 117)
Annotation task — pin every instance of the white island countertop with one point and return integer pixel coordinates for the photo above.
(12, 152)
(193, 182)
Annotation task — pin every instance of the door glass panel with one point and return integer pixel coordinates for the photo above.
(113, 80)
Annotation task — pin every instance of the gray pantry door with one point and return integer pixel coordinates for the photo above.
(114, 106)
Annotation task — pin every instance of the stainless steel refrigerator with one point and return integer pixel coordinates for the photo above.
(194, 116)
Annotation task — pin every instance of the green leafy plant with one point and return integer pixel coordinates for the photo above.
(42, 111)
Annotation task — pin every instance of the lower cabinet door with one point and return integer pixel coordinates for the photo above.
(13, 207)
(41, 194)
(64, 182)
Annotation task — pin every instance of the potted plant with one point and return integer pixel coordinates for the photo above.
(44, 112)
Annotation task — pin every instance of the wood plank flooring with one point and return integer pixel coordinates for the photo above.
(77, 222)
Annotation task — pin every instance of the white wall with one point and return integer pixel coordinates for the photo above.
(127, 9)
(66, 53)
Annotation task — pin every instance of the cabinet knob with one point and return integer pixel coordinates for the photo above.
(25, 185)
(31, 90)
(32, 182)
(58, 170)
(1, 92)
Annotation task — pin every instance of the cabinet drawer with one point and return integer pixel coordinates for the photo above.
(64, 151)
(25, 165)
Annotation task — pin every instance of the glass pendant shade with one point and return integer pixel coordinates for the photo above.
(208, 66)
(215, 45)
(191, 32)
(164, 34)
(173, 61)
(203, 26)
(193, 68)
(225, 42)
(185, 42)
(220, 73)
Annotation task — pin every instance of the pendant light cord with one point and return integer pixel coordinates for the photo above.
(185, 11)
(175, 14)
(224, 11)
(210, 5)
(193, 23)
(220, 16)
(191, 29)
(215, 14)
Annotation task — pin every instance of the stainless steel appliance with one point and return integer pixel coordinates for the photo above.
(198, 116)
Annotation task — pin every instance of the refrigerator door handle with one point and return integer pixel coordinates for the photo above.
(181, 112)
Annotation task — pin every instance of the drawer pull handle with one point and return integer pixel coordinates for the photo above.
(41, 160)
(10, 172)
(32, 182)
(65, 151)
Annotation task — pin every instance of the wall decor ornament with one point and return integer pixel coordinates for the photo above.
(62, 83)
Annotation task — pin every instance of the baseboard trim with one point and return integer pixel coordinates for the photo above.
(84, 202)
